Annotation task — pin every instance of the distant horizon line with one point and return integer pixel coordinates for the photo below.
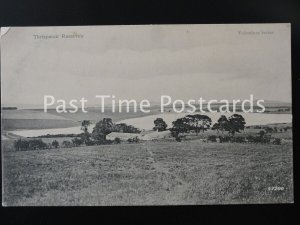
(154, 103)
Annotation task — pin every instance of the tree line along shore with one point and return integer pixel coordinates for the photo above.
(231, 129)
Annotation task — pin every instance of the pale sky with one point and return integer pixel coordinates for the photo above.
(144, 62)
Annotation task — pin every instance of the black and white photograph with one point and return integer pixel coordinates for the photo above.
(136, 115)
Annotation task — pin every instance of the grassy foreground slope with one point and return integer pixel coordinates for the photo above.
(149, 173)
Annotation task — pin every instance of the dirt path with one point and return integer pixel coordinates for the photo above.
(176, 187)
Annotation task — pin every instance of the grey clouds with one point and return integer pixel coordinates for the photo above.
(184, 61)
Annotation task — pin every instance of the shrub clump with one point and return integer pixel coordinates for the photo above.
(224, 139)
(117, 140)
(212, 138)
(34, 144)
(276, 141)
(134, 140)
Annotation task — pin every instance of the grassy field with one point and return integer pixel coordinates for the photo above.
(159, 173)
(14, 124)
(32, 119)
(38, 119)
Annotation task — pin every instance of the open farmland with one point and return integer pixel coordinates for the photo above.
(31, 119)
(163, 173)
(25, 119)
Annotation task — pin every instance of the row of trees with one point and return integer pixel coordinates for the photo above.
(261, 138)
(97, 137)
(200, 123)
(191, 123)
(233, 124)
(273, 129)
(102, 129)
(34, 144)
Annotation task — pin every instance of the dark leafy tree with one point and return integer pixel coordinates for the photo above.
(277, 141)
(102, 128)
(180, 126)
(199, 122)
(160, 125)
(85, 125)
(223, 123)
(21, 145)
(91, 142)
(212, 138)
(77, 141)
(85, 135)
(37, 144)
(67, 144)
(261, 133)
(133, 140)
(269, 130)
(55, 144)
(117, 140)
(178, 139)
(224, 139)
(124, 128)
(34, 144)
(216, 127)
(236, 123)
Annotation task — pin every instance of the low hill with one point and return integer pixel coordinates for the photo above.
(31, 119)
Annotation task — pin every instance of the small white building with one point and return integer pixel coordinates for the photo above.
(155, 135)
(146, 136)
(122, 136)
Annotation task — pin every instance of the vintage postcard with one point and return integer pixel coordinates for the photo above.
(146, 115)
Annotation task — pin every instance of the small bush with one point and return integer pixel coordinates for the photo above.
(77, 141)
(67, 144)
(178, 139)
(21, 145)
(238, 139)
(134, 140)
(277, 141)
(260, 138)
(34, 144)
(250, 138)
(117, 140)
(90, 142)
(55, 144)
(224, 139)
(108, 142)
(212, 138)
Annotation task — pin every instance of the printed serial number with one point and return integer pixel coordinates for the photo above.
(275, 188)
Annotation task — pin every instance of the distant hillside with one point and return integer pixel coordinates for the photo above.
(31, 119)
(95, 114)
(269, 103)
(9, 108)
